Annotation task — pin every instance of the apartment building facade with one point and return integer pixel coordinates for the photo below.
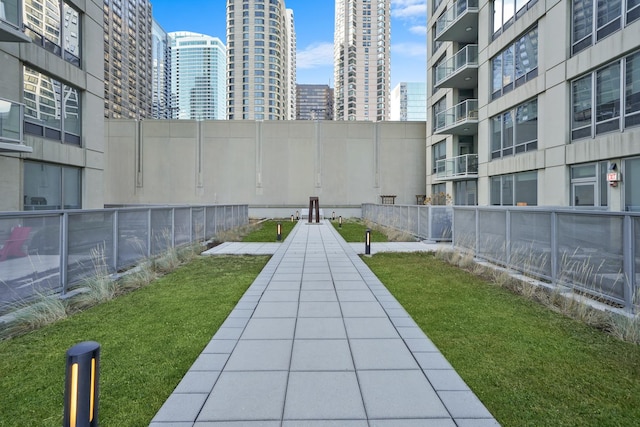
(258, 60)
(534, 103)
(198, 85)
(161, 73)
(51, 104)
(128, 63)
(362, 66)
(408, 102)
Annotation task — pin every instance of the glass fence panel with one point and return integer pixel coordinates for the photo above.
(211, 218)
(133, 226)
(90, 245)
(465, 228)
(531, 242)
(182, 226)
(197, 224)
(492, 235)
(161, 230)
(590, 253)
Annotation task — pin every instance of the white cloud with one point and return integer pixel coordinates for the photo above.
(408, 9)
(315, 55)
(420, 30)
(409, 49)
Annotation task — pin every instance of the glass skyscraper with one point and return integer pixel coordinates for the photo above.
(198, 65)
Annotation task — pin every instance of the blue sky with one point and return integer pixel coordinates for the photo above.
(314, 31)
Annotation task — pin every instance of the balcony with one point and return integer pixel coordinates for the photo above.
(459, 71)
(457, 168)
(459, 23)
(11, 22)
(11, 118)
(461, 119)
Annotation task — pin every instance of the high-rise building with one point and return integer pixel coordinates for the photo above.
(362, 59)
(128, 62)
(291, 65)
(314, 102)
(51, 105)
(534, 103)
(161, 75)
(409, 102)
(198, 66)
(258, 55)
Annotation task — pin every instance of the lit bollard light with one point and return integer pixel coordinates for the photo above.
(340, 222)
(81, 387)
(367, 242)
(291, 218)
(279, 232)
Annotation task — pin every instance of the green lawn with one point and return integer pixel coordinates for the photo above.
(149, 338)
(267, 231)
(529, 365)
(354, 231)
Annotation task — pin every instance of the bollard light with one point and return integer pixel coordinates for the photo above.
(291, 218)
(340, 222)
(297, 215)
(81, 387)
(279, 232)
(333, 215)
(367, 242)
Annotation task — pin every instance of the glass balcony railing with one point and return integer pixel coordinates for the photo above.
(454, 16)
(465, 59)
(11, 118)
(459, 167)
(459, 115)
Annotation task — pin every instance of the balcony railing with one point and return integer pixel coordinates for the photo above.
(11, 22)
(460, 167)
(459, 71)
(11, 118)
(461, 119)
(459, 22)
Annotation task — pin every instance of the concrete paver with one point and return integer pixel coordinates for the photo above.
(318, 341)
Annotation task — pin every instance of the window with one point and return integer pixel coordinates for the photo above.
(603, 89)
(52, 110)
(439, 194)
(589, 185)
(466, 193)
(593, 20)
(631, 186)
(48, 186)
(439, 153)
(505, 12)
(60, 34)
(520, 189)
(509, 136)
(515, 65)
(439, 119)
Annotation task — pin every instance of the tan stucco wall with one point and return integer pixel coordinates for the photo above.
(277, 163)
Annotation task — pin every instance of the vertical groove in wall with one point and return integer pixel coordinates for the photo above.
(318, 159)
(259, 154)
(376, 155)
(199, 178)
(138, 149)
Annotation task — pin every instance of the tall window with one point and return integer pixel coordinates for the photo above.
(439, 153)
(438, 107)
(52, 109)
(515, 131)
(505, 12)
(54, 25)
(520, 189)
(632, 185)
(600, 92)
(49, 186)
(466, 192)
(593, 20)
(515, 65)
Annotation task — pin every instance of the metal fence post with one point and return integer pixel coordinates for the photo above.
(114, 231)
(554, 247)
(149, 232)
(628, 265)
(476, 249)
(507, 238)
(64, 251)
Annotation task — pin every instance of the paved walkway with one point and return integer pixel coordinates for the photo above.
(318, 341)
